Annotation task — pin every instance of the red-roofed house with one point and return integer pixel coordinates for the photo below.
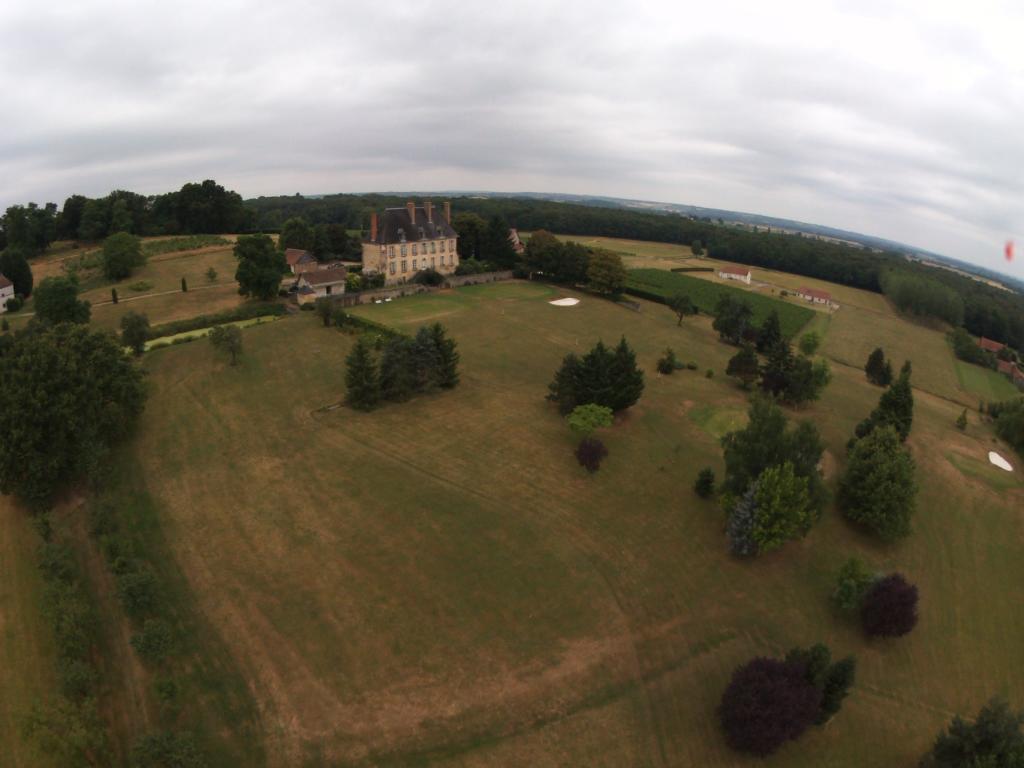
(735, 273)
(517, 244)
(990, 346)
(6, 293)
(816, 296)
(299, 261)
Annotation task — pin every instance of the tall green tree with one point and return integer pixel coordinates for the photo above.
(895, 408)
(135, 331)
(878, 369)
(227, 339)
(56, 301)
(122, 253)
(783, 507)
(29, 227)
(744, 366)
(447, 374)
(14, 266)
(602, 376)
(994, 739)
(770, 333)
(94, 220)
(470, 228)
(120, 217)
(93, 396)
(606, 274)
(260, 266)
(497, 246)
(878, 488)
(362, 381)
(682, 305)
(732, 318)
(296, 233)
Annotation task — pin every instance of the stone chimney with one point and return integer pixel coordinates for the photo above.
(429, 208)
(448, 212)
(373, 227)
(411, 208)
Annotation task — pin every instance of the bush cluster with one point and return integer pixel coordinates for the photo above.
(247, 311)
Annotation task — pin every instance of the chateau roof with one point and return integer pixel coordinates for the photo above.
(5, 283)
(395, 222)
(325, 276)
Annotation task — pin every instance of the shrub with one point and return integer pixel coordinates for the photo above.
(993, 740)
(890, 607)
(428, 277)
(77, 677)
(705, 485)
(140, 285)
(307, 307)
(15, 303)
(137, 589)
(667, 363)
(709, 374)
(809, 343)
(154, 642)
(692, 366)
(167, 750)
(590, 453)
(767, 703)
(584, 419)
(852, 584)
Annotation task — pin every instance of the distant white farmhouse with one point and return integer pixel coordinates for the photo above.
(735, 273)
(815, 296)
(6, 293)
(318, 283)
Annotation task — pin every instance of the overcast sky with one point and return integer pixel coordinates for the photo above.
(898, 119)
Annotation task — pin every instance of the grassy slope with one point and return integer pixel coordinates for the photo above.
(984, 383)
(437, 582)
(27, 653)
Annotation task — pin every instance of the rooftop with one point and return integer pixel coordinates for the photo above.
(396, 226)
(989, 345)
(5, 283)
(734, 271)
(814, 293)
(296, 255)
(325, 276)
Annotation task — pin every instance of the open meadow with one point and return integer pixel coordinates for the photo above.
(439, 583)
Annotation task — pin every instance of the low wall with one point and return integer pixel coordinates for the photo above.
(412, 289)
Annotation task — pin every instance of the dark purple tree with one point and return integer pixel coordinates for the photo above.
(590, 453)
(890, 607)
(768, 703)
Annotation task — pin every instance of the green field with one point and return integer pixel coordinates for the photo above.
(439, 583)
(705, 295)
(988, 385)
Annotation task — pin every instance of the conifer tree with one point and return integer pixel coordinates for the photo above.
(878, 487)
(627, 378)
(770, 333)
(397, 376)
(361, 378)
(878, 369)
(447, 374)
(895, 408)
(744, 366)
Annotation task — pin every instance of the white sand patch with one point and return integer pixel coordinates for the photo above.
(565, 302)
(999, 461)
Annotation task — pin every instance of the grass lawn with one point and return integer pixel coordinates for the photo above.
(439, 583)
(984, 383)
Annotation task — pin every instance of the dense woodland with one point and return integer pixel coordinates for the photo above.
(208, 208)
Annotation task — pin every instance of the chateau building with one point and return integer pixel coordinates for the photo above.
(6, 293)
(406, 241)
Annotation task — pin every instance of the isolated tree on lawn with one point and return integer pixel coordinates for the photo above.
(993, 740)
(122, 253)
(93, 395)
(296, 233)
(878, 488)
(606, 274)
(809, 343)
(852, 584)
(732, 318)
(227, 339)
(14, 266)
(135, 331)
(602, 376)
(56, 301)
(782, 507)
(361, 378)
(667, 363)
(744, 366)
(585, 419)
(767, 703)
(682, 305)
(590, 453)
(260, 266)
(895, 408)
(878, 369)
(705, 484)
(889, 608)
(770, 333)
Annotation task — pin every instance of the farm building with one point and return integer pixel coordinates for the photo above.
(299, 261)
(990, 346)
(405, 241)
(816, 296)
(6, 293)
(317, 283)
(735, 273)
(1011, 371)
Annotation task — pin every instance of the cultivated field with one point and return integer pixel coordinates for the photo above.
(438, 582)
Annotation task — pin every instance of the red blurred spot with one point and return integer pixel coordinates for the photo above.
(1009, 250)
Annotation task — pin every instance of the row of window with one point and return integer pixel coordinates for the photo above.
(393, 265)
(422, 248)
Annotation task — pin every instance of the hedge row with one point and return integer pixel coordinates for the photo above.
(247, 311)
(693, 269)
